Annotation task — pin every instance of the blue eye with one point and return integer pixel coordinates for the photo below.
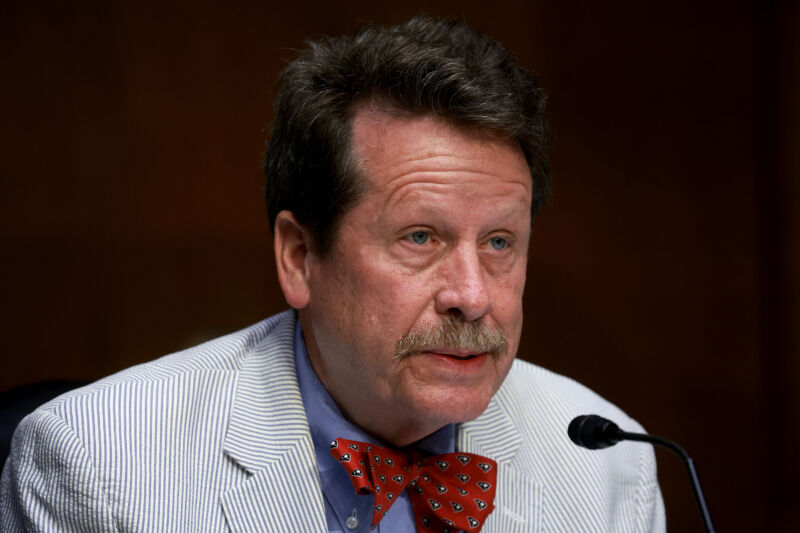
(420, 237)
(498, 243)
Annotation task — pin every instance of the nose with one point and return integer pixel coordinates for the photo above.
(464, 289)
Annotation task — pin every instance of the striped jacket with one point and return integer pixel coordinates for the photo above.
(215, 438)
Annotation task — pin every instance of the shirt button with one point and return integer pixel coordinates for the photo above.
(352, 521)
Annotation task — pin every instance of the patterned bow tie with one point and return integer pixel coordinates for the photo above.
(448, 492)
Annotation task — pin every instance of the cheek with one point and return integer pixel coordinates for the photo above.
(396, 298)
(508, 303)
(369, 306)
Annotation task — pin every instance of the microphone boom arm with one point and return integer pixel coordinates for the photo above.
(595, 432)
(675, 447)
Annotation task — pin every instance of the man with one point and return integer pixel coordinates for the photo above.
(403, 171)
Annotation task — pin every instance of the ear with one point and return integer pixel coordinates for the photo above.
(292, 244)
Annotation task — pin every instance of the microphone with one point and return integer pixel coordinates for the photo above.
(595, 432)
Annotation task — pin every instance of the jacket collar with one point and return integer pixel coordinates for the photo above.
(494, 434)
(268, 437)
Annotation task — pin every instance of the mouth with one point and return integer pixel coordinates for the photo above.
(453, 365)
(457, 361)
(453, 353)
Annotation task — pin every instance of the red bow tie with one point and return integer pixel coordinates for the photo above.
(448, 492)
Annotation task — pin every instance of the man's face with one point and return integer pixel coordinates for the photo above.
(440, 234)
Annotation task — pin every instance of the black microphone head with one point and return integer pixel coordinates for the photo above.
(593, 432)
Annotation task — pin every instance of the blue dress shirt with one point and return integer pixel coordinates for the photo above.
(327, 423)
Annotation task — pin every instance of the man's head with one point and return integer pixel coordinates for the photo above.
(423, 67)
(403, 171)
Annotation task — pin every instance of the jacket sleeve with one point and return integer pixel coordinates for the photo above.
(49, 482)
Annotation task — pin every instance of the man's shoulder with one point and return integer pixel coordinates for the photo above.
(175, 433)
(538, 392)
(200, 368)
(619, 483)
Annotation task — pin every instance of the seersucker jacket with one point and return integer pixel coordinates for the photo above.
(215, 438)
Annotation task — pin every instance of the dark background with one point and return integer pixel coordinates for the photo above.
(665, 273)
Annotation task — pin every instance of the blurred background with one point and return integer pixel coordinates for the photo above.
(665, 273)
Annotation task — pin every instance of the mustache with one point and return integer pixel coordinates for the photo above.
(453, 332)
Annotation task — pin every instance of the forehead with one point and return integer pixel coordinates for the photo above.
(392, 151)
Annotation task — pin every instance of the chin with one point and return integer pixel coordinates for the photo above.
(453, 407)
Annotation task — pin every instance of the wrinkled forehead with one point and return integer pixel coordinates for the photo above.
(386, 143)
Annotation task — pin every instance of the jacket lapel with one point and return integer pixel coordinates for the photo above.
(518, 502)
(268, 437)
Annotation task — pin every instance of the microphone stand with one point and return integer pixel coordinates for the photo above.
(666, 443)
(595, 432)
